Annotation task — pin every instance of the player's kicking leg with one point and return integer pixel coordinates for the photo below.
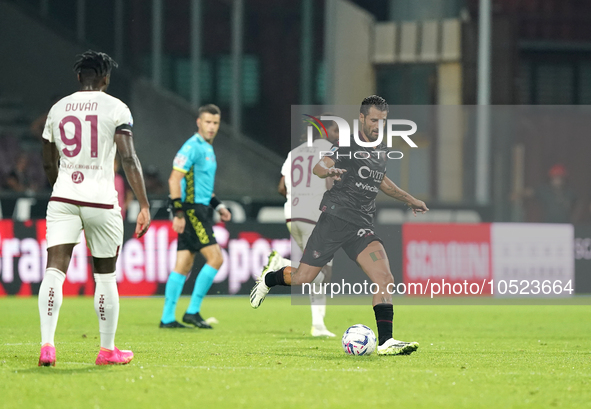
(286, 276)
(374, 262)
(318, 252)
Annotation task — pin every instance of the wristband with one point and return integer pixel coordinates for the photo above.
(175, 206)
(216, 204)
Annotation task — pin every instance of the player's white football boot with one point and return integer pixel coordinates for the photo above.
(276, 262)
(260, 289)
(321, 331)
(395, 347)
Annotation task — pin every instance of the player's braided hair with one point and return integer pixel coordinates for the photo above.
(373, 100)
(92, 66)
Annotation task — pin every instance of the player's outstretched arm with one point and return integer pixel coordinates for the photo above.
(133, 171)
(50, 161)
(390, 188)
(325, 168)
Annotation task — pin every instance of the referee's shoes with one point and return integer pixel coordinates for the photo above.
(197, 320)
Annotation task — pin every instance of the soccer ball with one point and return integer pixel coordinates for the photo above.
(359, 340)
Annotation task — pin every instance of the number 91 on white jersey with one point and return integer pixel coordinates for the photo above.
(82, 126)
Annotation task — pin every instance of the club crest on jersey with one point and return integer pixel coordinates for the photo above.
(77, 177)
(316, 254)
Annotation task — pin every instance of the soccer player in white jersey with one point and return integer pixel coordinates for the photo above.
(303, 194)
(82, 134)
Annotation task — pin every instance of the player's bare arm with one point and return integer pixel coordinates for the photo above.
(390, 188)
(325, 168)
(281, 187)
(50, 161)
(219, 207)
(133, 171)
(174, 186)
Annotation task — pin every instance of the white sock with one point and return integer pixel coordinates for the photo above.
(50, 301)
(318, 312)
(106, 305)
(318, 301)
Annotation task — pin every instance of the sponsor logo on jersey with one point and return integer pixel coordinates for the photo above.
(77, 177)
(365, 186)
(316, 254)
(365, 172)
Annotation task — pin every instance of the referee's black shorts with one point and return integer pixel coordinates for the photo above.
(198, 228)
(332, 233)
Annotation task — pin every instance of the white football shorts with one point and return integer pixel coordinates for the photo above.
(103, 228)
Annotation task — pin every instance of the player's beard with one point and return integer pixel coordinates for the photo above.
(368, 133)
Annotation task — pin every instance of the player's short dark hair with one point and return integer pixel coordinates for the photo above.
(92, 66)
(373, 101)
(209, 109)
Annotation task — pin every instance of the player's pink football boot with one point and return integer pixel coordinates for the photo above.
(47, 357)
(113, 357)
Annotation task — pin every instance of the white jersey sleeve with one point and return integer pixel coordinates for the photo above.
(307, 189)
(286, 173)
(48, 129)
(83, 126)
(122, 116)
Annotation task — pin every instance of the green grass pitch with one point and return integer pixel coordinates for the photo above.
(469, 357)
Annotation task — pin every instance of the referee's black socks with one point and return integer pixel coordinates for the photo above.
(384, 315)
(275, 278)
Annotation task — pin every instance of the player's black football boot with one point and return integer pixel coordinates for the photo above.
(174, 324)
(197, 320)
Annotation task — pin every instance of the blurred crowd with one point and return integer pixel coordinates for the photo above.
(21, 166)
(555, 201)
